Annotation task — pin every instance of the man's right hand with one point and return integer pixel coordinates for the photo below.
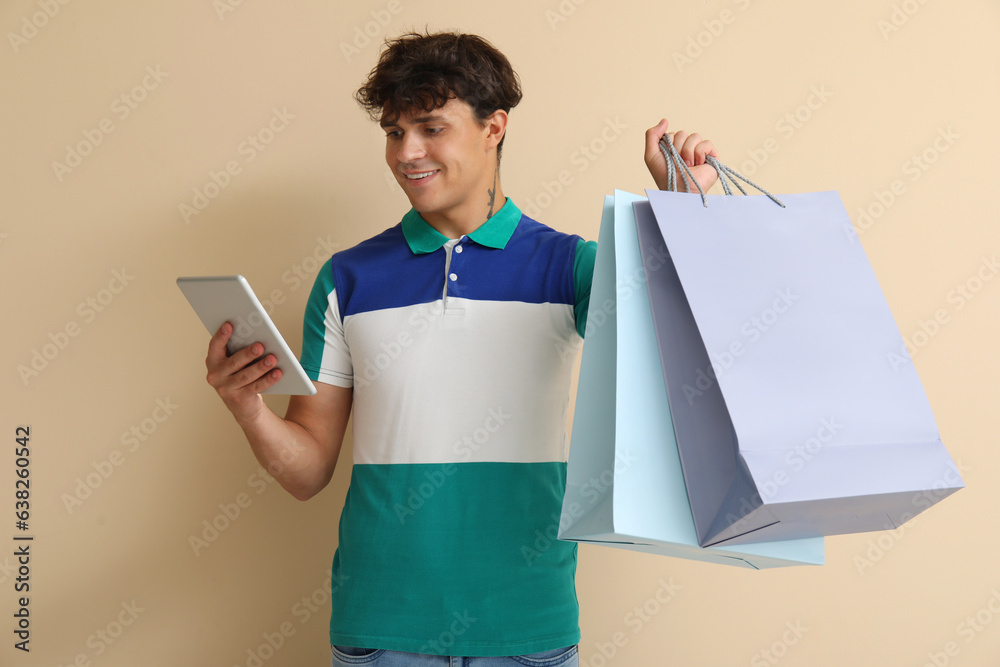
(301, 450)
(238, 381)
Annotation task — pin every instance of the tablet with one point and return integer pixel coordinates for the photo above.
(220, 299)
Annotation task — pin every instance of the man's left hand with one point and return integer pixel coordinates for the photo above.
(692, 148)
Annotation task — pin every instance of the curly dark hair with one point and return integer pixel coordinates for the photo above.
(418, 72)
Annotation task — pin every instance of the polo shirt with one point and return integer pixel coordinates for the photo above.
(460, 353)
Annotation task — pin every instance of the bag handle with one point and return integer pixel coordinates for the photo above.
(726, 174)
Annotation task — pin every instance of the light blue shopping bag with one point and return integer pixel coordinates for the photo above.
(625, 487)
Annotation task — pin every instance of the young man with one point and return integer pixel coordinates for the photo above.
(447, 335)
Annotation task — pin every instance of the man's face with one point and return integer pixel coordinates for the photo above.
(443, 160)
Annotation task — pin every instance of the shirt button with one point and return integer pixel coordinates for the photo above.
(453, 277)
(458, 248)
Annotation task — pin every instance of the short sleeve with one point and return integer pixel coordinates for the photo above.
(583, 277)
(325, 355)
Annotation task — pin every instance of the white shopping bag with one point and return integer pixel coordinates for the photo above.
(777, 344)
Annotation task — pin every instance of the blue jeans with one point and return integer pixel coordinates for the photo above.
(344, 656)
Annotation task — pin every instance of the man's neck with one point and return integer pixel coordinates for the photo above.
(455, 224)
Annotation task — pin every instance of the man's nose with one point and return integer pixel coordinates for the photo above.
(411, 148)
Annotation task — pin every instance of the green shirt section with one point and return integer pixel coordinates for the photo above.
(425, 536)
(494, 233)
(583, 277)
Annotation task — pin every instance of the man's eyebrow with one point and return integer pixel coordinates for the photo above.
(433, 118)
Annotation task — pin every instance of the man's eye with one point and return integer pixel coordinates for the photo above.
(435, 130)
(392, 134)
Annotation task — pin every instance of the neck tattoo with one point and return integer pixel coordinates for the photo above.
(493, 196)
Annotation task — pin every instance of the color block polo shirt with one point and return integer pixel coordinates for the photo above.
(460, 353)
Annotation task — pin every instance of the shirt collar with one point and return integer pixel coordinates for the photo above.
(494, 233)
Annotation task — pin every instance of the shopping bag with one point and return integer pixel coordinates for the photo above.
(624, 483)
(792, 415)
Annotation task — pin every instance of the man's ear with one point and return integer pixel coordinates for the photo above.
(495, 127)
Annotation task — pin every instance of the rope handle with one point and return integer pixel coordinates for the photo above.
(726, 175)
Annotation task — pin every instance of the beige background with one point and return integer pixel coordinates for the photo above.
(895, 75)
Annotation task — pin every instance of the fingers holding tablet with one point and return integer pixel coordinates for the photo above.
(242, 332)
